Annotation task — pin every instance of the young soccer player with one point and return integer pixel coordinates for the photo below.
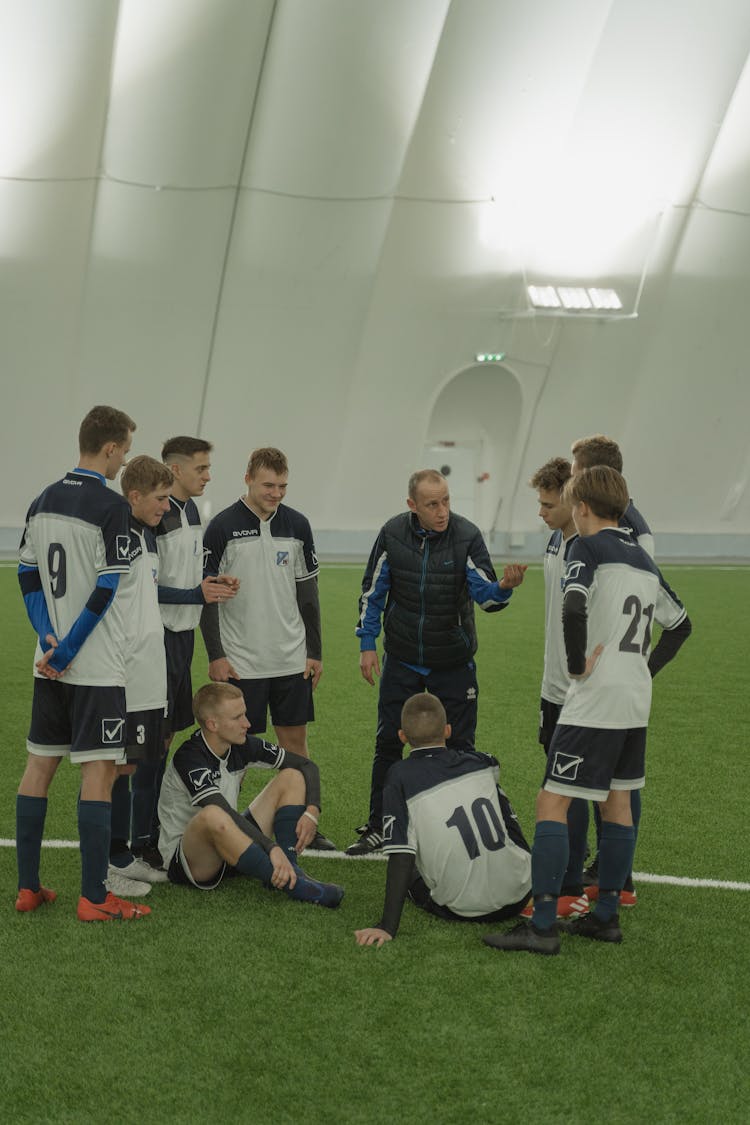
(74, 551)
(613, 592)
(453, 843)
(146, 485)
(203, 837)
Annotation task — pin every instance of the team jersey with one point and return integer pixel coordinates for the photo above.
(625, 593)
(442, 806)
(146, 682)
(262, 631)
(555, 680)
(196, 773)
(179, 541)
(76, 531)
(633, 521)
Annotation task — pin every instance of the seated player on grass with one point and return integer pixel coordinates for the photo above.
(203, 837)
(453, 843)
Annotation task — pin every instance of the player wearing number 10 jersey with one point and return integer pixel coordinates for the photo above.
(452, 839)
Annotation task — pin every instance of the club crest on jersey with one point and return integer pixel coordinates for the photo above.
(200, 777)
(122, 546)
(566, 766)
(282, 558)
(572, 570)
(388, 822)
(112, 731)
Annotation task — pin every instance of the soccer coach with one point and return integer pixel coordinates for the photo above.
(427, 568)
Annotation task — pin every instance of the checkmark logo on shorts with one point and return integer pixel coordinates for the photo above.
(112, 731)
(566, 766)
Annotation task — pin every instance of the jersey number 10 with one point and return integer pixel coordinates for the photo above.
(488, 824)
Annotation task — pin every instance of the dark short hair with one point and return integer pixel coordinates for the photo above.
(423, 720)
(209, 698)
(101, 425)
(268, 457)
(184, 447)
(553, 475)
(602, 488)
(144, 474)
(431, 475)
(597, 450)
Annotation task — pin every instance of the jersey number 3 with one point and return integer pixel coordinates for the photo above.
(487, 822)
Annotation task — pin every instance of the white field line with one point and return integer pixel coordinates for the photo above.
(638, 876)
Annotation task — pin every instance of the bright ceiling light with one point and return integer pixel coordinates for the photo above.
(605, 299)
(543, 296)
(574, 297)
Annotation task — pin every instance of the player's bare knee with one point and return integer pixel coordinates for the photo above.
(291, 787)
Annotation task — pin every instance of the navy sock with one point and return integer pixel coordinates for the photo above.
(549, 860)
(30, 816)
(285, 828)
(119, 853)
(94, 828)
(615, 861)
(578, 828)
(255, 864)
(144, 785)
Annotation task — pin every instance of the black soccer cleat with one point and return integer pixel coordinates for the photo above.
(525, 937)
(321, 843)
(589, 926)
(370, 840)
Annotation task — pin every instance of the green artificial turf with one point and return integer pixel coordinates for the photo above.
(240, 1006)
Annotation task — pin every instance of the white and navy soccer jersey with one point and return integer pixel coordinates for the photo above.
(262, 630)
(77, 534)
(443, 807)
(633, 521)
(555, 680)
(179, 541)
(195, 773)
(625, 593)
(146, 682)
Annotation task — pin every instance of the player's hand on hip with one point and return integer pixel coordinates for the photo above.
(313, 671)
(512, 576)
(369, 664)
(372, 936)
(283, 874)
(221, 670)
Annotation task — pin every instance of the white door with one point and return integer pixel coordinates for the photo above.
(458, 464)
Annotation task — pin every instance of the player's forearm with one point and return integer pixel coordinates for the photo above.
(309, 771)
(575, 631)
(399, 877)
(211, 632)
(30, 582)
(308, 603)
(669, 644)
(173, 595)
(90, 616)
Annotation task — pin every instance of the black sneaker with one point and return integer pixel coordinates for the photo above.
(527, 938)
(321, 843)
(150, 854)
(370, 840)
(589, 926)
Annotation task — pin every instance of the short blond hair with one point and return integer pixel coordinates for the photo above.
(603, 489)
(431, 475)
(145, 474)
(597, 450)
(210, 698)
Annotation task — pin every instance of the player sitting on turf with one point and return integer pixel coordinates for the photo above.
(612, 594)
(452, 839)
(202, 835)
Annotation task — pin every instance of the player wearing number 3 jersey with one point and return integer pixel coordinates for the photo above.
(453, 842)
(613, 592)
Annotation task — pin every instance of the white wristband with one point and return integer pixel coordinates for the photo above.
(310, 816)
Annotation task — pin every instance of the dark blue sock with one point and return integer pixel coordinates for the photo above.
(119, 853)
(285, 828)
(578, 828)
(30, 815)
(255, 864)
(635, 812)
(598, 825)
(94, 826)
(615, 861)
(549, 859)
(144, 785)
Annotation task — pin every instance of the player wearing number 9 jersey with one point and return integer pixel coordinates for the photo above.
(453, 842)
(74, 549)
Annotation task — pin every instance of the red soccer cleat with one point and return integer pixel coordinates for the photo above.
(29, 900)
(627, 898)
(568, 906)
(111, 910)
